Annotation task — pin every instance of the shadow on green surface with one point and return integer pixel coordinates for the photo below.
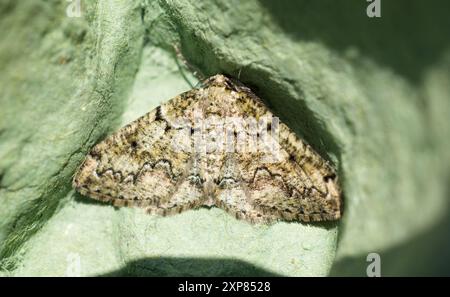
(408, 38)
(189, 267)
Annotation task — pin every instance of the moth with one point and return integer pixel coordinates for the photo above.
(217, 145)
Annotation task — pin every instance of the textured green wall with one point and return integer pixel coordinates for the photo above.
(371, 95)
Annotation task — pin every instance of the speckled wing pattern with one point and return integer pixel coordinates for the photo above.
(139, 165)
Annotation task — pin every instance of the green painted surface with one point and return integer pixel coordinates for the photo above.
(370, 95)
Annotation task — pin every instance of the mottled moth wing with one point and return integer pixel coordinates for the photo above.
(299, 186)
(137, 166)
(142, 164)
